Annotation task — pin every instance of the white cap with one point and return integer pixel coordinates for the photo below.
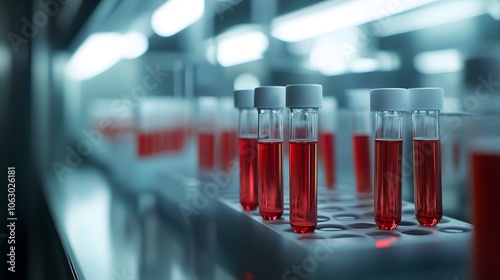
(425, 99)
(269, 97)
(243, 98)
(389, 99)
(304, 96)
(358, 98)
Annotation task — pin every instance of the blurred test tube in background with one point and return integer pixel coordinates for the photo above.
(327, 139)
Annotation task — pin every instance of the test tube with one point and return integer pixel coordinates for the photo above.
(247, 141)
(304, 102)
(207, 107)
(389, 105)
(484, 152)
(228, 133)
(425, 104)
(358, 100)
(327, 139)
(270, 101)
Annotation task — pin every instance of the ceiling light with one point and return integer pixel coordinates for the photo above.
(330, 16)
(175, 15)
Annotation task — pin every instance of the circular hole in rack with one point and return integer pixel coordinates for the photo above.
(362, 205)
(346, 217)
(323, 219)
(382, 234)
(444, 221)
(331, 228)
(331, 209)
(454, 230)
(342, 236)
(417, 232)
(362, 225)
(407, 223)
(310, 238)
(409, 212)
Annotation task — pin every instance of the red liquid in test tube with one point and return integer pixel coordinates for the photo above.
(270, 176)
(248, 173)
(303, 186)
(228, 148)
(388, 155)
(142, 144)
(206, 151)
(427, 166)
(327, 154)
(486, 189)
(362, 166)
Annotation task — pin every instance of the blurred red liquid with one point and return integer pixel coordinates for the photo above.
(486, 193)
(362, 166)
(206, 151)
(327, 154)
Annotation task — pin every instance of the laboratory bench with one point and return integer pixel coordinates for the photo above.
(178, 226)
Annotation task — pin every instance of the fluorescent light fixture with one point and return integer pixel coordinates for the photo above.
(330, 16)
(438, 14)
(327, 58)
(442, 61)
(175, 15)
(134, 44)
(241, 44)
(101, 51)
(98, 53)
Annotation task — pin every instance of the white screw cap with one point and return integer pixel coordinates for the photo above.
(269, 97)
(389, 99)
(304, 96)
(425, 99)
(243, 99)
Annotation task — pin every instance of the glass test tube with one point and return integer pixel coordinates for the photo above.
(358, 101)
(484, 152)
(247, 142)
(227, 147)
(303, 101)
(270, 101)
(327, 138)
(389, 105)
(425, 103)
(207, 107)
